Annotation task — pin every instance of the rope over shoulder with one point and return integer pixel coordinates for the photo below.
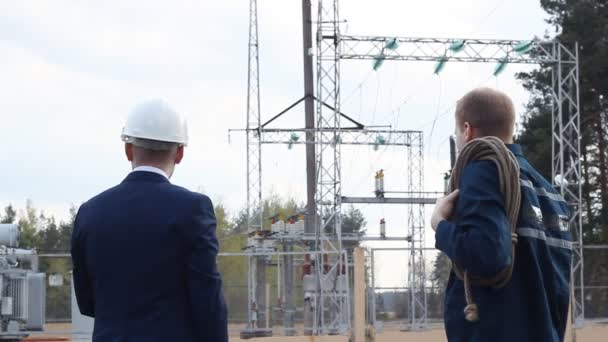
(494, 150)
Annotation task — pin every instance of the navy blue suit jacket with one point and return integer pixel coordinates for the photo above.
(144, 255)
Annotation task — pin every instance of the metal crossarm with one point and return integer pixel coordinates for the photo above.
(344, 137)
(437, 49)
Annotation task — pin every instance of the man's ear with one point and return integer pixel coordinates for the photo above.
(129, 151)
(179, 155)
(469, 132)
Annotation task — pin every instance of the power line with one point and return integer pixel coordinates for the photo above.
(358, 87)
(484, 18)
(437, 115)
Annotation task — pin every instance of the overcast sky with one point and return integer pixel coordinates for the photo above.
(71, 70)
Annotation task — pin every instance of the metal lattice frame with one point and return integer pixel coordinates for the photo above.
(435, 49)
(566, 109)
(329, 186)
(336, 304)
(331, 48)
(254, 157)
(369, 137)
(567, 159)
(417, 271)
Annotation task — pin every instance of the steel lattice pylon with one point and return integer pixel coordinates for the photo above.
(329, 300)
(254, 158)
(417, 272)
(330, 308)
(566, 137)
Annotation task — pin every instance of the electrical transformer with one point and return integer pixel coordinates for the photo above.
(22, 291)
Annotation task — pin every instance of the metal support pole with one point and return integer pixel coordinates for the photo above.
(576, 139)
(328, 191)
(261, 289)
(311, 169)
(289, 303)
(373, 290)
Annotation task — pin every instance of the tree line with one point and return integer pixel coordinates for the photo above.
(47, 235)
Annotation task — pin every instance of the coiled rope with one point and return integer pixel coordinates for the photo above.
(492, 149)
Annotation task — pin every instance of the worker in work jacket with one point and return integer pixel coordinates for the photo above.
(472, 229)
(144, 252)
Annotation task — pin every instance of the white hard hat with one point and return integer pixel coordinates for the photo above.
(155, 120)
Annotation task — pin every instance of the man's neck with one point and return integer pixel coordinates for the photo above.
(506, 141)
(163, 168)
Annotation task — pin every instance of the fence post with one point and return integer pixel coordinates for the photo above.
(359, 295)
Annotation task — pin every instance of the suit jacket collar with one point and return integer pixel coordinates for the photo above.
(145, 176)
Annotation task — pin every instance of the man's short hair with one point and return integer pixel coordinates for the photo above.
(153, 145)
(489, 111)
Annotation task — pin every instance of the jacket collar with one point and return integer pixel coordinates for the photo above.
(151, 169)
(516, 149)
(145, 176)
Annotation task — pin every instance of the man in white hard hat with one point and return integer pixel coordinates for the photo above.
(144, 251)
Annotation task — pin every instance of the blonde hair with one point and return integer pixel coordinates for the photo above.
(489, 111)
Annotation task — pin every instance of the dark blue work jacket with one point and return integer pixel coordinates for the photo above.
(144, 255)
(533, 306)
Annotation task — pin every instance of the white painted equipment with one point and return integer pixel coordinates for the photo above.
(379, 183)
(9, 235)
(22, 292)
(278, 227)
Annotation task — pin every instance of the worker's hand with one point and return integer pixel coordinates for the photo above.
(443, 208)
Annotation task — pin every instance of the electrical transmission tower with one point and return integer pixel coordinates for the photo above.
(255, 219)
(329, 186)
(328, 298)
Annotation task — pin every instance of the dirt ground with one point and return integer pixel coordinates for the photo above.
(589, 333)
(593, 333)
(391, 336)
